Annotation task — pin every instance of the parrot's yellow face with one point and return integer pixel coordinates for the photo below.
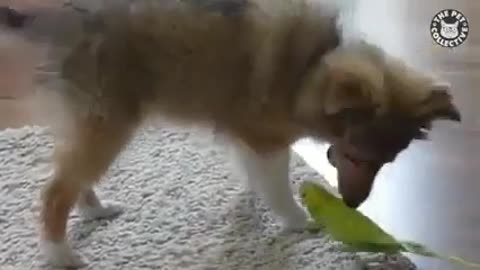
(311, 192)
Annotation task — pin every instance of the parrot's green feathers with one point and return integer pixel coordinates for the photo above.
(343, 223)
(374, 247)
(357, 231)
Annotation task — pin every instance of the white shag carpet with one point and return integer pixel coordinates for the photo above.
(185, 209)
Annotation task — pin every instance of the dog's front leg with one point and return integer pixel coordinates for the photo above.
(268, 175)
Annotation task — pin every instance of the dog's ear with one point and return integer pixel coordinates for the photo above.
(353, 96)
(437, 105)
(344, 86)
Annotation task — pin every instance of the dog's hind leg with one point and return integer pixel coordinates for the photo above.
(91, 207)
(80, 163)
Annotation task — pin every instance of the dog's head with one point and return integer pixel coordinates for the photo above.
(373, 107)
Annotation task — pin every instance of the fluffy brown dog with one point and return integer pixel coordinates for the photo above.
(263, 73)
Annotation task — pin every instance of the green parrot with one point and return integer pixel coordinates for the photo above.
(357, 231)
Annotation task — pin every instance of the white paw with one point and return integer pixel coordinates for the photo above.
(61, 255)
(106, 210)
(296, 221)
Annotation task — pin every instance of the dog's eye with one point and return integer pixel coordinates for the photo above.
(357, 116)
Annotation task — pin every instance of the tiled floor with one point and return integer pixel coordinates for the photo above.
(430, 194)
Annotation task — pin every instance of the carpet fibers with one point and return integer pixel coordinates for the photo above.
(184, 209)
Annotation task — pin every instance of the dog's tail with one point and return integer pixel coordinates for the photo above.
(56, 32)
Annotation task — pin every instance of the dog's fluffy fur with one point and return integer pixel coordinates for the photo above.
(262, 72)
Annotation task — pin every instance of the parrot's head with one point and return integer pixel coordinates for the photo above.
(315, 195)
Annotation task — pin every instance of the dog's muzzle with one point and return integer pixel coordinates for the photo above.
(355, 175)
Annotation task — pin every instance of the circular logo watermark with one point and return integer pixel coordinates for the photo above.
(449, 28)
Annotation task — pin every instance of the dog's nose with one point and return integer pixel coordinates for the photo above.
(330, 156)
(352, 203)
(355, 179)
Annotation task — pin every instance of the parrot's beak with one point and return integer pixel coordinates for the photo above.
(355, 177)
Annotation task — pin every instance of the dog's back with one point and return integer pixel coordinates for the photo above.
(193, 60)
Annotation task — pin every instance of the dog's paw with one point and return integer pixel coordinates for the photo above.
(61, 255)
(107, 209)
(297, 222)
